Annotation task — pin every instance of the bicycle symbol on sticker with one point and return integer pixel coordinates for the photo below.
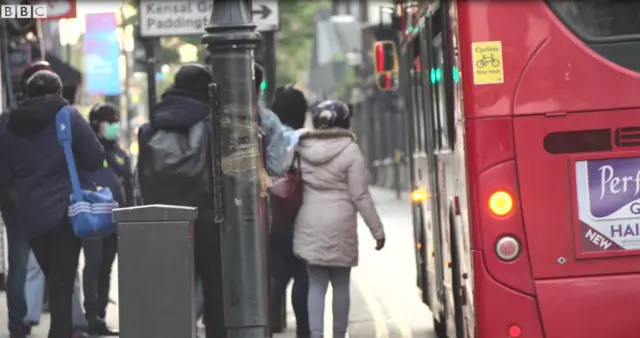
(488, 59)
(488, 62)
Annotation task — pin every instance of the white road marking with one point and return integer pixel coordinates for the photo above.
(377, 313)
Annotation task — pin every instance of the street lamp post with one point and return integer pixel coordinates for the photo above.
(231, 40)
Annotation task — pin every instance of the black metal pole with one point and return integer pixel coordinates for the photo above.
(269, 67)
(150, 46)
(231, 39)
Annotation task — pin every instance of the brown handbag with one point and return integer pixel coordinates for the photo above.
(285, 195)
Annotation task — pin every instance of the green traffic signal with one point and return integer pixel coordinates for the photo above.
(435, 75)
(263, 85)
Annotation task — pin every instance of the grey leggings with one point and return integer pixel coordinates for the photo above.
(319, 278)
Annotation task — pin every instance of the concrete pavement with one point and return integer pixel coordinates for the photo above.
(385, 301)
(41, 330)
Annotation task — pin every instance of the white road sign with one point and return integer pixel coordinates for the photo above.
(190, 17)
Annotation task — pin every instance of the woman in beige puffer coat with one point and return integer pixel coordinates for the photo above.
(336, 188)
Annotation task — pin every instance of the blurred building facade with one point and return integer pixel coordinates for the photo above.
(342, 66)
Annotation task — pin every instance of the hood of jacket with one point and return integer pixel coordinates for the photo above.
(178, 109)
(33, 115)
(321, 146)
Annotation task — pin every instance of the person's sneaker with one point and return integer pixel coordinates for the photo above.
(99, 327)
(20, 332)
(81, 335)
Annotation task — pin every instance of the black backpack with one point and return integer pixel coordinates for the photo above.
(174, 165)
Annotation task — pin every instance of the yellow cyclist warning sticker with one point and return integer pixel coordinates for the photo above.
(487, 62)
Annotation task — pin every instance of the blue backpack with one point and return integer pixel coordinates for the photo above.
(89, 211)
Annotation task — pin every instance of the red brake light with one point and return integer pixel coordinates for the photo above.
(515, 331)
(379, 58)
(387, 81)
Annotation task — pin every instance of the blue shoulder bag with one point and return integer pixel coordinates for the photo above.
(89, 211)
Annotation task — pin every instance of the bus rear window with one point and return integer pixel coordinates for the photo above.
(597, 20)
(611, 28)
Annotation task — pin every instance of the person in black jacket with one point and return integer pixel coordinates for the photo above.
(18, 256)
(291, 107)
(115, 174)
(18, 248)
(184, 104)
(33, 166)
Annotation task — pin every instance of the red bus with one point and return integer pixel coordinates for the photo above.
(524, 126)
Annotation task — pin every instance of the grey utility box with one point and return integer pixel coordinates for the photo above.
(156, 271)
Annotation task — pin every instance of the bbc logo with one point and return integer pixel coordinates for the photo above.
(23, 11)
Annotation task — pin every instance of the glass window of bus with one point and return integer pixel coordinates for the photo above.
(414, 112)
(600, 20)
(420, 110)
(438, 93)
(409, 103)
(424, 106)
(442, 99)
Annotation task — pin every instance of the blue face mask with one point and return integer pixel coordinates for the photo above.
(112, 131)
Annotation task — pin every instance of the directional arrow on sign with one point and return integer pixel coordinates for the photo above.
(264, 11)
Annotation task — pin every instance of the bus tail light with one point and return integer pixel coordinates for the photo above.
(515, 331)
(507, 248)
(502, 227)
(500, 203)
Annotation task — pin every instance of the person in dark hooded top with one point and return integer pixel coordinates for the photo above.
(100, 253)
(181, 106)
(18, 248)
(33, 165)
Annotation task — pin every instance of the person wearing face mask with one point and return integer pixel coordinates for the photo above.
(115, 174)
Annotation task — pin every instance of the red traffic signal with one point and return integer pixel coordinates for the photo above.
(387, 81)
(385, 56)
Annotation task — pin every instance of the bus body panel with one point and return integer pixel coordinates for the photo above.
(486, 21)
(600, 307)
(539, 54)
(498, 307)
(563, 69)
(549, 197)
(489, 142)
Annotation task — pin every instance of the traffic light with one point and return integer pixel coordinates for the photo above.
(263, 86)
(387, 81)
(435, 75)
(385, 56)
